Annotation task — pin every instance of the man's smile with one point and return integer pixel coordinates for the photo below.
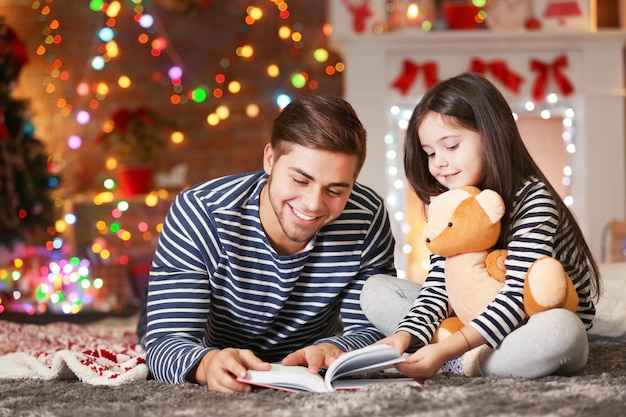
(301, 215)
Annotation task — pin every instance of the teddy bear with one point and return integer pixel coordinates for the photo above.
(464, 225)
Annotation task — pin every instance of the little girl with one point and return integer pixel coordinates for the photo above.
(463, 133)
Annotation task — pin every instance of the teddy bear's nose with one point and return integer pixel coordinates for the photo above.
(427, 240)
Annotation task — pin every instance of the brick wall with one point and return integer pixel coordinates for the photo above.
(198, 42)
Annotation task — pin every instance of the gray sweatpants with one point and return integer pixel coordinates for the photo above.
(551, 342)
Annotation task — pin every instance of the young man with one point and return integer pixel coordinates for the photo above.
(256, 268)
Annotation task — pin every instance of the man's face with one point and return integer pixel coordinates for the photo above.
(307, 189)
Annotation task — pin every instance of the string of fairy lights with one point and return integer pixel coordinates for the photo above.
(155, 38)
(50, 279)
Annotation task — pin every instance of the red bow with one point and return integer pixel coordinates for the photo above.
(405, 80)
(501, 71)
(544, 70)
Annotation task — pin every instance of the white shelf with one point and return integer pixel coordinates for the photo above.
(464, 40)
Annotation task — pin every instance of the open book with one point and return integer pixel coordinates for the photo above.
(366, 360)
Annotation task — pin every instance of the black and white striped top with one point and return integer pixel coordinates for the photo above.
(536, 231)
(216, 282)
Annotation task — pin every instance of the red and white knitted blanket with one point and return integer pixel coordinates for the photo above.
(92, 354)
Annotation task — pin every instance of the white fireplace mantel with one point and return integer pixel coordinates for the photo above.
(595, 68)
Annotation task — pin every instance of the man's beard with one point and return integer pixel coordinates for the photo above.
(296, 233)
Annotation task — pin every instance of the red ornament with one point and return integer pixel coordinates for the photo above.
(562, 9)
(360, 10)
(533, 24)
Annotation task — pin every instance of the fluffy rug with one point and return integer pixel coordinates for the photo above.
(96, 355)
(75, 370)
(97, 369)
(597, 391)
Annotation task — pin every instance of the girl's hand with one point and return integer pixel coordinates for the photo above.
(400, 341)
(424, 363)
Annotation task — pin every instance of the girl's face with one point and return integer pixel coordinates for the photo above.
(455, 154)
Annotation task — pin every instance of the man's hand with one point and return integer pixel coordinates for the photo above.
(219, 369)
(314, 357)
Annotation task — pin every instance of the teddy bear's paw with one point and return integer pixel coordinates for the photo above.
(447, 328)
(546, 283)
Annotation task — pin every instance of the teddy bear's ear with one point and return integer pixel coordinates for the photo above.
(492, 204)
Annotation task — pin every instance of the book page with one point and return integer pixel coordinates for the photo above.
(286, 378)
(371, 358)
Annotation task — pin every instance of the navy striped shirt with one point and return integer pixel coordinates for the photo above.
(216, 281)
(536, 231)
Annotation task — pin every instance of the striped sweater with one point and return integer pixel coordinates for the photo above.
(536, 231)
(216, 282)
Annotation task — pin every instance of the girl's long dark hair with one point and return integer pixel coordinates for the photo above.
(472, 102)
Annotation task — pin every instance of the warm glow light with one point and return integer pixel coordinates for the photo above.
(254, 12)
(82, 89)
(124, 81)
(234, 87)
(151, 200)
(212, 119)
(222, 112)
(245, 51)
(112, 49)
(252, 110)
(273, 70)
(327, 29)
(177, 137)
(102, 89)
(284, 32)
(296, 37)
(110, 163)
(113, 8)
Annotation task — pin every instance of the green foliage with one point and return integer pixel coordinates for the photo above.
(135, 135)
(26, 206)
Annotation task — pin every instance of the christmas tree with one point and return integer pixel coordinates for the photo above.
(26, 206)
